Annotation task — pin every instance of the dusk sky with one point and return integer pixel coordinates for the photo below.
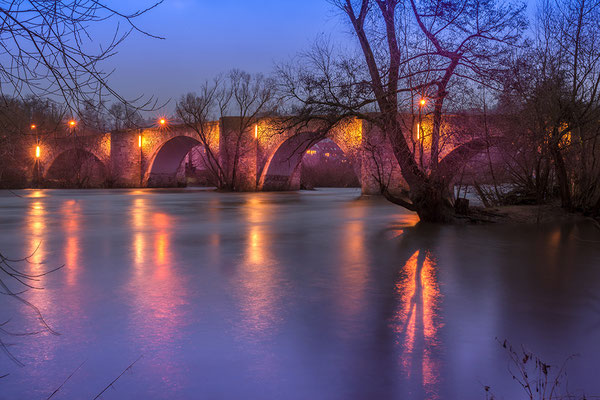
(204, 38)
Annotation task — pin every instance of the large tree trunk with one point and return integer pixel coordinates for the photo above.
(562, 177)
(431, 201)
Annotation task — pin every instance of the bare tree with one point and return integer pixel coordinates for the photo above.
(123, 116)
(198, 111)
(553, 90)
(48, 50)
(248, 98)
(409, 51)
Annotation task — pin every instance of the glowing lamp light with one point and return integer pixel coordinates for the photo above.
(140, 141)
(422, 102)
(33, 126)
(37, 151)
(256, 131)
(72, 123)
(418, 130)
(162, 122)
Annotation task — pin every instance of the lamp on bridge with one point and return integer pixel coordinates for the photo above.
(422, 102)
(72, 123)
(256, 131)
(33, 126)
(140, 141)
(162, 121)
(37, 151)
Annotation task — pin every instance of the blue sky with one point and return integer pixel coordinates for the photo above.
(204, 38)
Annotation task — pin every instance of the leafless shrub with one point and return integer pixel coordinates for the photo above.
(539, 380)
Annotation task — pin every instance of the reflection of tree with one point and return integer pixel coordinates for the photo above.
(412, 307)
(416, 321)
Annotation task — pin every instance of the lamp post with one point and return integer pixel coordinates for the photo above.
(420, 138)
(36, 165)
(140, 139)
(257, 158)
(38, 153)
(422, 103)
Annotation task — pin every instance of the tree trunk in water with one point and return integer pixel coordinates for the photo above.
(430, 198)
(432, 204)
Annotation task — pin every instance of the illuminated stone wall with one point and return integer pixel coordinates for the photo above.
(280, 151)
(97, 145)
(269, 157)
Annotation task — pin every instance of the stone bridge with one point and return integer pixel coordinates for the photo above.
(269, 159)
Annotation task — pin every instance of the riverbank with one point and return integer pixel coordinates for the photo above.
(523, 214)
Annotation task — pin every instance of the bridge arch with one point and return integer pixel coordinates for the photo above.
(164, 163)
(76, 167)
(282, 168)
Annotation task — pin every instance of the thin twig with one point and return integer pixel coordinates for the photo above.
(63, 384)
(117, 378)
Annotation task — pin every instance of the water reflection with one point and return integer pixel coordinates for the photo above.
(300, 298)
(162, 242)
(353, 271)
(138, 214)
(71, 221)
(258, 291)
(156, 290)
(36, 230)
(417, 323)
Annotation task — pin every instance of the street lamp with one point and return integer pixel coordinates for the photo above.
(420, 137)
(72, 123)
(141, 159)
(162, 121)
(33, 126)
(37, 151)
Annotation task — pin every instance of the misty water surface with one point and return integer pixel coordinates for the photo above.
(310, 295)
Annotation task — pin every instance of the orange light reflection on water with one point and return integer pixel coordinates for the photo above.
(417, 322)
(36, 228)
(36, 232)
(354, 266)
(157, 292)
(71, 216)
(258, 277)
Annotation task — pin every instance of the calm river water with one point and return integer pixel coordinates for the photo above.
(310, 295)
